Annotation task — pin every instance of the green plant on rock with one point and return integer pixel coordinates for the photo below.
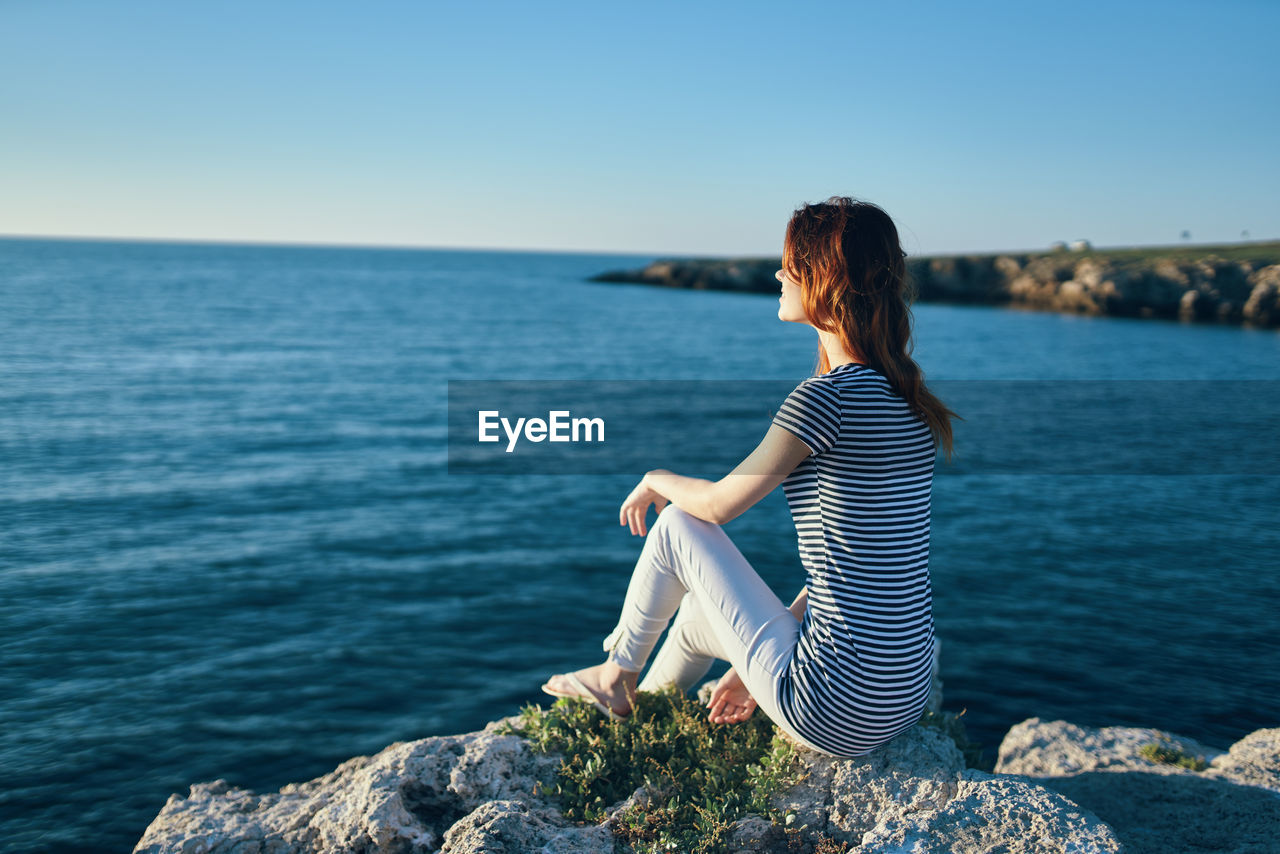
(1168, 753)
(698, 777)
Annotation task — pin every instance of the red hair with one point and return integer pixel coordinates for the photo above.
(846, 256)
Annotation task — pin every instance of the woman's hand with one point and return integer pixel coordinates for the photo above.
(730, 702)
(636, 507)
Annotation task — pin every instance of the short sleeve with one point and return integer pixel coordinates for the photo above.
(812, 413)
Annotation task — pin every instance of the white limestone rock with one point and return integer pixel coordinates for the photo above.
(1252, 761)
(1262, 307)
(994, 813)
(404, 799)
(1056, 748)
(473, 793)
(1232, 806)
(511, 826)
(915, 795)
(846, 797)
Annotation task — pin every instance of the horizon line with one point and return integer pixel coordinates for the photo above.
(410, 247)
(308, 244)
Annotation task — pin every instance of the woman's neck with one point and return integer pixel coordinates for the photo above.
(835, 351)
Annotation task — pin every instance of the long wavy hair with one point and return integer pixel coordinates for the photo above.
(846, 256)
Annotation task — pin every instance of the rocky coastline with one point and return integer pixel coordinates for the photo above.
(1236, 284)
(1056, 787)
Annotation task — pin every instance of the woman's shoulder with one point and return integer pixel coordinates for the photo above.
(861, 388)
(853, 372)
(855, 377)
(852, 384)
(822, 387)
(849, 381)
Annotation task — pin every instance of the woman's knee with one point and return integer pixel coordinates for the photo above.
(674, 518)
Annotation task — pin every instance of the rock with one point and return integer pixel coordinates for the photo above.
(1058, 788)
(1262, 308)
(914, 794)
(1159, 283)
(1171, 272)
(1191, 306)
(474, 793)
(908, 775)
(742, 274)
(752, 833)
(1008, 267)
(511, 826)
(962, 278)
(1169, 813)
(934, 704)
(1252, 761)
(640, 797)
(994, 813)
(1056, 748)
(404, 799)
(1155, 807)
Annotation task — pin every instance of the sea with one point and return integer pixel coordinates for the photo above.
(232, 546)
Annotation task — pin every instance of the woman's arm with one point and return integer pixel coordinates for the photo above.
(730, 701)
(726, 499)
(802, 602)
(691, 494)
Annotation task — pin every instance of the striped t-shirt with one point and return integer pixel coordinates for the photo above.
(861, 670)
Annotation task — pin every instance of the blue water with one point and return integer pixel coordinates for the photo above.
(229, 547)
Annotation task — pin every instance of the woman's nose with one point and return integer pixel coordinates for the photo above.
(778, 275)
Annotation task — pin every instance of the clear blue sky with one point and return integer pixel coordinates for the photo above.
(650, 128)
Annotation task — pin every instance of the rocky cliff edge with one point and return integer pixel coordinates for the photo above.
(1058, 787)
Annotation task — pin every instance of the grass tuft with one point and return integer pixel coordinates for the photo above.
(698, 777)
(1168, 753)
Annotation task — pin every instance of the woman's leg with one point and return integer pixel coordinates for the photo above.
(687, 653)
(684, 555)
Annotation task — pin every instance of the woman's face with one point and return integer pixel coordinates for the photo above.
(789, 306)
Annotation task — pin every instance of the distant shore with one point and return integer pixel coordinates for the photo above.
(1230, 283)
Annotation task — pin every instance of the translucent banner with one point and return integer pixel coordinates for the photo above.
(705, 428)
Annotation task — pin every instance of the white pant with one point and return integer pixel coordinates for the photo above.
(726, 611)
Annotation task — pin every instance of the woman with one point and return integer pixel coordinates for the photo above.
(848, 666)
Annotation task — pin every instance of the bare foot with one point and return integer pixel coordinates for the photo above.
(607, 682)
